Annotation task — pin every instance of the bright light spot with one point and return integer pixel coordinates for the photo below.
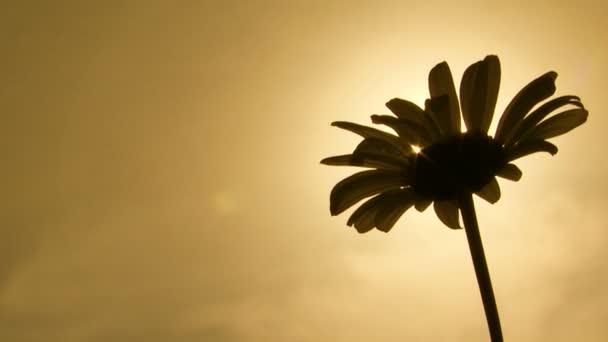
(416, 149)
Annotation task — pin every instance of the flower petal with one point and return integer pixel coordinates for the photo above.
(409, 131)
(389, 162)
(363, 184)
(393, 208)
(525, 148)
(435, 106)
(422, 204)
(371, 161)
(478, 93)
(510, 172)
(533, 93)
(382, 211)
(527, 124)
(370, 132)
(441, 83)
(490, 192)
(407, 110)
(559, 124)
(377, 146)
(374, 153)
(447, 212)
(364, 218)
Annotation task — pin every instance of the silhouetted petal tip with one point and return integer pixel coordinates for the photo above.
(448, 212)
(532, 94)
(479, 92)
(490, 192)
(510, 172)
(363, 184)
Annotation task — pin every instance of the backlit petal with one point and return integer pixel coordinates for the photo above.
(510, 172)
(407, 110)
(382, 211)
(363, 160)
(363, 184)
(559, 124)
(533, 93)
(364, 217)
(441, 83)
(525, 148)
(393, 208)
(528, 123)
(478, 93)
(409, 131)
(372, 152)
(447, 212)
(422, 204)
(381, 147)
(369, 132)
(490, 192)
(436, 107)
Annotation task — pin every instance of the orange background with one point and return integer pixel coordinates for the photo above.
(161, 178)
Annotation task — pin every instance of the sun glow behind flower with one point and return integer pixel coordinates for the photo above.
(161, 156)
(497, 226)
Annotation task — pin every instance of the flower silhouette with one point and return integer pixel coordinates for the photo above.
(431, 160)
(449, 162)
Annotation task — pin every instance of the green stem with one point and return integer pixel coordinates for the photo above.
(481, 267)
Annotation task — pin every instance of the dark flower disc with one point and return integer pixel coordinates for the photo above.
(464, 162)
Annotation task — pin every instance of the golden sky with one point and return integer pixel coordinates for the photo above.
(161, 180)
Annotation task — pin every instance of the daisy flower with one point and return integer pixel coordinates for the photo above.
(431, 160)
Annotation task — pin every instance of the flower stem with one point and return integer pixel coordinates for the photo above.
(481, 267)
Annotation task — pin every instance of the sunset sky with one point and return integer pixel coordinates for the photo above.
(161, 181)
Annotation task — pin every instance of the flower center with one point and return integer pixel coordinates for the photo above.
(464, 162)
